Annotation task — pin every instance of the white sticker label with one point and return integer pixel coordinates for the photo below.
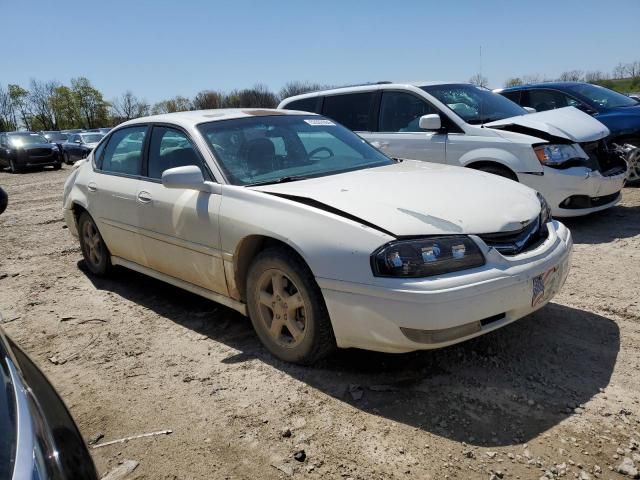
(319, 121)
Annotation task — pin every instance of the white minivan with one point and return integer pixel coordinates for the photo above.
(561, 153)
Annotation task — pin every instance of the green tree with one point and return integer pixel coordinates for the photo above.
(19, 105)
(94, 110)
(65, 108)
(207, 99)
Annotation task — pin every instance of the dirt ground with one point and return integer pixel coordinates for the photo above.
(556, 394)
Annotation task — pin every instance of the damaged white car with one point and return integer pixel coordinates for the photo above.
(561, 153)
(321, 239)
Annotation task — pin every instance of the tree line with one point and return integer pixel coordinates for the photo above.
(50, 105)
(54, 106)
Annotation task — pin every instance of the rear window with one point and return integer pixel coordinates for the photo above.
(353, 110)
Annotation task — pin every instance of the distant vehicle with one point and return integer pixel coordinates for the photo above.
(620, 113)
(556, 153)
(55, 136)
(79, 145)
(318, 237)
(103, 130)
(27, 149)
(38, 437)
(73, 130)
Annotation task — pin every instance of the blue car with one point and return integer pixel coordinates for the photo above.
(620, 113)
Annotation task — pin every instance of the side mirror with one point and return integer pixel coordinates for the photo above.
(188, 177)
(430, 122)
(530, 109)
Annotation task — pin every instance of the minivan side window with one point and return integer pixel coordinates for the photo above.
(123, 153)
(304, 104)
(353, 110)
(171, 148)
(401, 112)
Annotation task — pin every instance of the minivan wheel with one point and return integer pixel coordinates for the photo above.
(287, 309)
(500, 171)
(95, 252)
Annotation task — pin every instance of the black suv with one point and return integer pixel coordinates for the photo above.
(25, 149)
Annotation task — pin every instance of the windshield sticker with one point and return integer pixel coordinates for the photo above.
(319, 121)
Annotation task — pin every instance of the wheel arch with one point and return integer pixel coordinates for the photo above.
(246, 251)
(479, 164)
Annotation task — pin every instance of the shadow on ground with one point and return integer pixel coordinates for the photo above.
(620, 221)
(505, 387)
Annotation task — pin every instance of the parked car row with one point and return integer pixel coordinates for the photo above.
(564, 154)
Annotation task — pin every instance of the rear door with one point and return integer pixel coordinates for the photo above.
(179, 230)
(112, 190)
(398, 133)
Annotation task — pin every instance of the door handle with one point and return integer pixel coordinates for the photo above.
(92, 187)
(144, 197)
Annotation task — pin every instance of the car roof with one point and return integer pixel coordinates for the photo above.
(195, 117)
(558, 85)
(371, 86)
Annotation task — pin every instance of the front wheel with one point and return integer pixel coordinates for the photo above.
(633, 160)
(67, 159)
(57, 165)
(13, 166)
(287, 309)
(94, 250)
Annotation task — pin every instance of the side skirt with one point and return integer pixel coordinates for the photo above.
(203, 292)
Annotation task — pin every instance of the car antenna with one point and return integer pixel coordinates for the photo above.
(480, 79)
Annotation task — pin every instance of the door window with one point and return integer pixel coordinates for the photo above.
(171, 148)
(123, 153)
(401, 112)
(545, 99)
(352, 110)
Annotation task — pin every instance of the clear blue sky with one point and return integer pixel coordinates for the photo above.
(159, 49)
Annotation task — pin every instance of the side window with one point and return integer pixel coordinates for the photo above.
(401, 112)
(123, 153)
(97, 155)
(513, 96)
(304, 104)
(352, 110)
(171, 148)
(543, 100)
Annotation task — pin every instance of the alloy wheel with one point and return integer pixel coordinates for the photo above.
(633, 160)
(92, 243)
(281, 308)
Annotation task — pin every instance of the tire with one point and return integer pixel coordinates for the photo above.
(311, 323)
(633, 160)
(67, 160)
(95, 252)
(13, 168)
(57, 165)
(498, 170)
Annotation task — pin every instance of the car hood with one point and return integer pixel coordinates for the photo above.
(419, 198)
(35, 146)
(566, 123)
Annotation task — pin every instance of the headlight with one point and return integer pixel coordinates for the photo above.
(554, 155)
(545, 210)
(426, 257)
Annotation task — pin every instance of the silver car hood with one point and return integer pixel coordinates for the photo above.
(567, 123)
(419, 198)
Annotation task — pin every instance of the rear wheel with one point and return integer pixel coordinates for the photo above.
(94, 250)
(287, 309)
(498, 170)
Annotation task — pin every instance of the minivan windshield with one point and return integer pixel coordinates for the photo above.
(281, 148)
(473, 104)
(599, 97)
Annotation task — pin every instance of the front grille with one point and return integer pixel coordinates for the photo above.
(40, 152)
(515, 242)
(604, 158)
(576, 202)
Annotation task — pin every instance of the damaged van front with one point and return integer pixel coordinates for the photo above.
(562, 153)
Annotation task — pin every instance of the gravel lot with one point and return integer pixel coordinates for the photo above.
(555, 394)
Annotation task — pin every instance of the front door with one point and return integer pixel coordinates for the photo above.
(178, 228)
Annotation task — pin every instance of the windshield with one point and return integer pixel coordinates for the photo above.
(55, 137)
(600, 98)
(91, 137)
(268, 149)
(26, 139)
(475, 105)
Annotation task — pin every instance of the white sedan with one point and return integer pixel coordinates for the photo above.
(318, 237)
